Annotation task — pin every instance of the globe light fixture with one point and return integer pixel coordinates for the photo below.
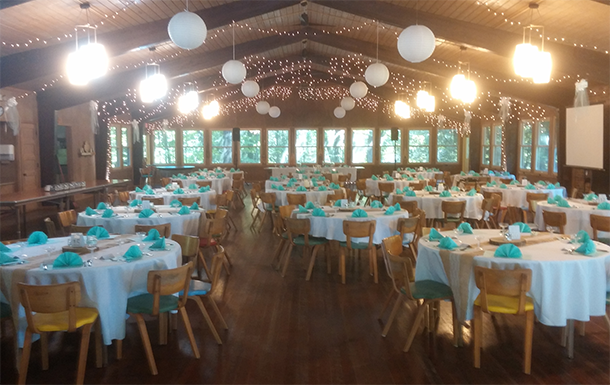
(358, 89)
(187, 30)
(377, 74)
(154, 86)
(274, 112)
(339, 113)
(263, 107)
(189, 100)
(348, 103)
(234, 71)
(416, 43)
(402, 109)
(250, 88)
(210, 110)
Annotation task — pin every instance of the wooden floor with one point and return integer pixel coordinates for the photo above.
(287, 330)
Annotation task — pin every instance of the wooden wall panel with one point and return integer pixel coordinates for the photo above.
(78, 131)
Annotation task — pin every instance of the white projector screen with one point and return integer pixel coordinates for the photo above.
(585, 137)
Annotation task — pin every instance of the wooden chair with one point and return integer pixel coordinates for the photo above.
(54, 308)
(123, 197)
(358, 229)
(503, 291)
(385, 189)
(600, 223)
(256, 211)
(351, 195)
(159, 301)
(268, 200)
(432, 182)
(554, 219)
(397, 199)
(154, 201)
(165, 181)
(361, 189)
(279, 230)
(211, 233)
(332, 198)
(506, 180)
(298, 235)
(204, 183)
(453, 211)
(342, 178)
(409, 226)
(470, 185)
(80, 229)
(51, 228)
(239, 189)
(408, 205)
(286, 211)
(188, 201)
(296, 199)
(67, 218)
(430, 293)
(532, 200)
(165, 230)
(488, 219)
(147, 173)
(417, 186)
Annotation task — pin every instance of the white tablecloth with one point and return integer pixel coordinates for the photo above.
(312, 196)
(517, 196)
(207, 200)
(431, 203)
(105, 286)
(564, 286)
(125, 223)
(577, 216)
(218, 185)
(372, 186)
(279, 171)
(457, 178)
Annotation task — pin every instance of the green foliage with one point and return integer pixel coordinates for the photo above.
(250, 146)
(192, 146)
(306, 146)
(222, 147)
(419, 146)
(278, 146)
(362, 146)
(165, 147)
(447, 146)
(388, 153)
(334, 146)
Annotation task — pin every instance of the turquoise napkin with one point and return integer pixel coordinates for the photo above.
(5, 248)
(550, 201)
(359, 213)
(293, 180)
(138, 189)
(314, 182)
(302, 210)
(410, 178)
(503, 186)
(132, 253)
(335, 186)
(301, 188)
(582, 236)
(194, 206)
(135, 202)
(90, 211)
(310, 206)
(322, 179)
(397, 207)
(563, 203)
(317, 172)
(471, 172)
(182, 176)
(201, 177)
(322, 188)
(184, 210)
(550, 186)
(102, 206)
(462, 173)
(490, 173)
(390, 210)
(420, 177)
(318, 212)
(146, 213)
(376, 205)
(428, 188)
(410, 193)
(374, 178)
(514, 182)
(455, 188)
(508, 250)
(530, 187)
(542, 183)
(67, 259)
(445, 194)
(290, 184)
(175, 203)
(557, 198)
(404, 175)
(476, 174)
(603, 206)
(523, 227)
(587, 248)
(179, 191)
(149, 192)
(193, 186)
(447, 244)
(98, 232)
(153, 235)
(204, 189)
(108, 213)
(338, 203)
(232, 169)
(220, 176)
(281, 188)
(389, 178)
(472, 192)
(465, 227)
(146, 187)
(6, 258)
(435, 235)
(158, 245)
(168, 186)
(591, 197)
(398, 191)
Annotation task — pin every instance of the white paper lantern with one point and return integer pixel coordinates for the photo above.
(416, 43)
(187, 30)
(358, 90)
(234, 71)
(263, 107)
(339, 112)
(250, 88)
(348, 103)
(90, 61)
(456, 86)
(377, 74)
(274, 112)
(523, 59)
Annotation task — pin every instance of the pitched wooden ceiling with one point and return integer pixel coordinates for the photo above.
(334, 45)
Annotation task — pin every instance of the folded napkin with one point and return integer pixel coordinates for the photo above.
(204, 189)
(321, 179)
(523, 227)
(281, 188)
(541, 183)
(338, 203)
(488, 184)
(591, 197)
(194, 206)
(314, 182)
(471, 172)
(389, 178)
(359, 213)
(376, 205)
(557, 198)
(293, 180)
(472, 192)
(182, 176)
(587, 248)
(465, 227)
(490, 173)
(514, 182)
(108, 213)
(146, 213)
(98, 232)
(184, 210)
(6, 258)
(455, 188)
(301, 188)
(390, 210)
(175, 203)
(399, 191)
(290, 184)
(428, 188)
(67, 259)
(503, 186)
(219, 176)
(317, 172)
(410, 178)
(462, 173)
(232, 169)
(159, 244)
(138, 189)
(274, 179)
(302, 210)
(5, 248)
(404, 176)
(582, 236)
(168, 186)
(310, 206)
(219, 169)
(445, 194)
(397, 207)
(530, 187)
(192, 186)
(135, 202)
(563, 203)
(133, 253)
(90, 211)
(476, 174)
(201, 177)
(508, 250)
(420, 177)
(550, 186)
(410, 193)
(318, 212)
(374, 178)
(179, 191)
(149, 192)
(603, 206)
(447, 244)
(435, 235)
(322, 188)
(102, 206)
(335, 186)
(153, 235)
(550, 201)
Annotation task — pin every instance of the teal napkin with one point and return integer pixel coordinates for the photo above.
(335, 186)
(397, 207)
(389, 178)
(102, 206)
(232, 169)
(472, 192)
(404, 175)
(290, 184)
(90, 211)
(503, 186)
(410, 193)
(455, 188)
(135, 202)
(338, 203)
(465, 227)
(194, 206)
(447, 244)
(410, 178)
(322, 188)
(314, 182)
(508, 250)
(514, 182)
(322, 179)
(587, 248)
(603, 206)
(374, 178)
(420, 177)
(471, 172)
(133, 253)
(179, 191)
(476, 174)
(201, 177)
(149, 192)
(168, 186)
(98, 232)
(550, 186)
(530, 187)
(390, 210)
(591, 197)
(302, 210)
(153, 235)
(428, 188)
(317, 172)
(445, 194)
(220, 176)
(557, 198)
(376, 205)
(6, 258)
(550, 201)
(192, 186)
(204, 189)
(182, 176)
(542, 183)
(158, 245)
(108, 213)
(582, 236)
(359, 213)
(301, 188)
(318, 212)
(523, 227)
(310, 206)
(462, 173)
(138, 189)
(435, 235)
(175, 203)
(490, 173)
(5, 248)
(293, 180)
(399, 191)
(67, 259)
(146, 187)
(281, 188)
(563, 203)
(146, 213)
(184, 210)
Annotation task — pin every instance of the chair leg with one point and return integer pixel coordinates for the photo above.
(204, 265)
(163, 329)
(82, 354)
(99, 356)
(228, 258)
(385, 304)
(342, 264)
(415, 326)
(119, 349)
(217, 311)
(581, 328)
(206, 315)
(373, 259)
(44, 350)
(478, 335)
(287, 260)
(527, 349)
(25, 357)
(395, 308)
(312, 261)
(327, 255)
(189, 331)
(147, 347)
(277, 256)
(260, 227)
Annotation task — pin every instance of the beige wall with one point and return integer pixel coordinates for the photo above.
(78, 131)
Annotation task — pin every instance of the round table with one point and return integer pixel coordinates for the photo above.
(577, 216)
(125, 223)
(432, 203)
(218, 184)
(207, 200)
(517, 196)
(372, 186)
(457, 178)
(279, 171)
(319, 197)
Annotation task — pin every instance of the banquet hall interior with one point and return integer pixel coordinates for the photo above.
(364, 191)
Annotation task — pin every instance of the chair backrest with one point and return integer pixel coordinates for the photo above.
(253, 196)
(296, 227)
(409, 225)
(212, 228)
(359, 229)
(417, 186)
(221, 200)
(439, 176)
(237, 176)
(575, 193)
(340, 194)
(399, 268)
(229, 194)
(257, 186)
(67, 218)
(123, 197)
(510, 283)
(50, 299)
(189, 201)
(204, 183)
(165, 181)
(164, 230)
(408, 205)
(421, 214)
(385, 172)
(342, 178)
(432, 182)
(554, 219)
(386, 187)
(398, 199)
(219, 213)
(268, 199)
(155, 201)
(51, 228)
(296, 199)
(533, 199)
(361, 184)
(188, 244)
(328, 176)
(278, 224)
(506, 180)
(286, 211)
(453, 208)
(81, 229)
(168, 282)
(599, 223)
(351, 195)
(470, 185)
(238, 184)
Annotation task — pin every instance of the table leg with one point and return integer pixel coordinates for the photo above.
(18, 214)
(570, 338)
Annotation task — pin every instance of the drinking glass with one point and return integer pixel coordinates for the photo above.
(478, 239)
(141, 235)
(91, 243)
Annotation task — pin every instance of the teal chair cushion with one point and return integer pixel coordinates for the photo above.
(428, 289)
(144, 303)
(355, 245)
(198, 288)
(5, 310)
(608, 298)
(313, 241)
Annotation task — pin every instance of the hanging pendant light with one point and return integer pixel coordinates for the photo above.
(189, 100)
(154, 85)
(186, 29)
(234, 71)
(263, 107)
(250, 88)
(377, 74)
(462, 88)
(358, 89)
(211, 108)
(528, 61)
(424, 100)
(402, 109)
(348, 103)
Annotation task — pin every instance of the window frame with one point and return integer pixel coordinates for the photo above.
(325, 130)
(202, 144)
(315, 145)
(492, 125)
(212, 146)
(372, 146)
(119, 145)
(154, 146)
(398, 154)
(260, 145)
(409, 161)
(269, 147)
(457, 146)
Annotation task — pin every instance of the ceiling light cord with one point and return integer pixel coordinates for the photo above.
(233, 39)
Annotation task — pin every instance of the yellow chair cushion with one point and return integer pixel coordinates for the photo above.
(504, 304)
(56, 322)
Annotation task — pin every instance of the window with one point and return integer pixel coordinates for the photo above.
(277, 146)
(362, 146)
(486, 156)
(525, 143)
(389, 149)
(145, 148)
(543, 135)
(538, 146)
(222, 146)
(419, 146)
(165, 147)
(497, 146)
(250, 146)
(446, 146)
(306, 146)
(120, 149)
(192, 146)
(334, 146)
(114, 148)
(125, 149)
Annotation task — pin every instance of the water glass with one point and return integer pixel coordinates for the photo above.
(91, 243)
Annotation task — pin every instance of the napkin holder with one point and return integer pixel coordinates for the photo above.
(497, 241)
(77, 240)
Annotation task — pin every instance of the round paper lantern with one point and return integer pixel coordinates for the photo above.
(358, 90)
(416, 43)
(377, 74)
(262, 107)
(274, 112)
(187, 30)
(88, 62)
(250, 88)
(234, 71)
(348, 103)
(339, 112)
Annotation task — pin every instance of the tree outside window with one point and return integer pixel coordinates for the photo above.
(497, 146)
(446, 146)
(389, 149)
(165, 147)
(362, 146)
(222, 146)
(306, 146)
(250, 146)
(486, 156)
(334, 146)
(525, 159)
(277, 146)
(192, 146)
(419, 146)
(542, 147)
(120, 148)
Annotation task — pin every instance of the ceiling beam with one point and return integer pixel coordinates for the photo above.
(11, 3)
